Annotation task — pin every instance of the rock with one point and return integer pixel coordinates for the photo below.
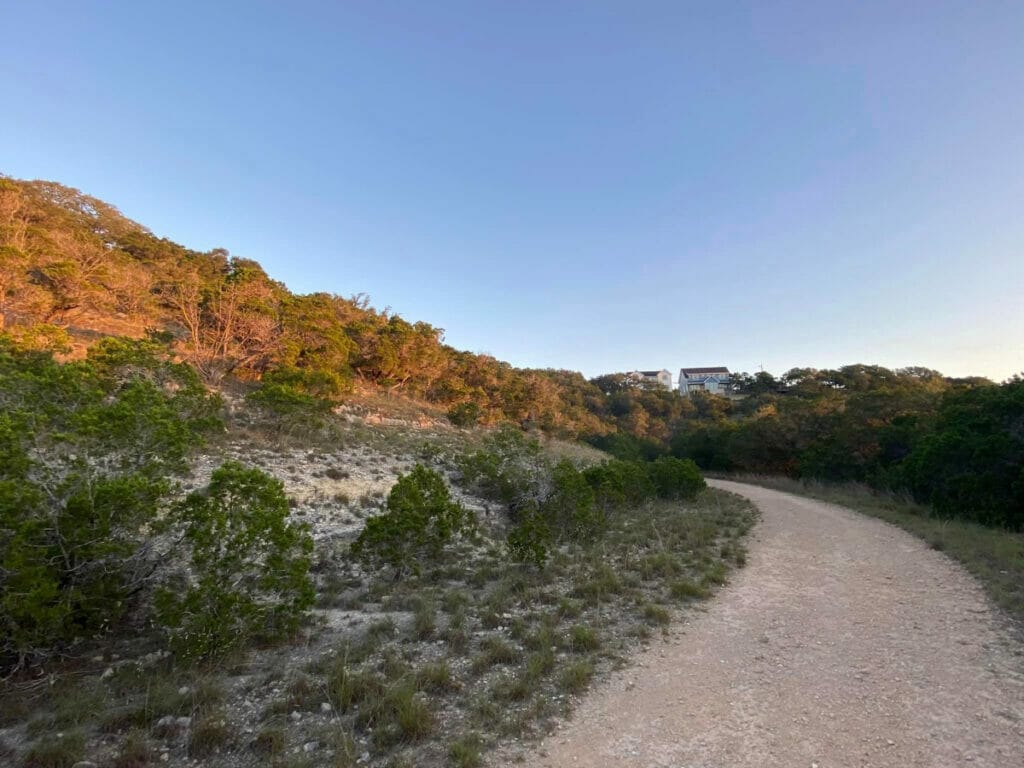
(310, 746)
(295, 717)
(167, 721)
(183, 691)
(183, 722)
(107, 673)
(325, 707)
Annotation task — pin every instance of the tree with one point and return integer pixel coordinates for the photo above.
(87, 450)
(249, 573)
(421, 519)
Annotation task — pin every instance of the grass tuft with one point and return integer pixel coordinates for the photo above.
(56, 753)
(465, 752)
(208, 736)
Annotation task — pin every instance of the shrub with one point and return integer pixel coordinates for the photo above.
(582, 638)
(510, 468)
(420, 519)
(85, 452)
(250, 565)
(571, 506)
(530, 540)
(464, 414)
(617, 483)
(287, 407)
(674, 478)
(972, 465)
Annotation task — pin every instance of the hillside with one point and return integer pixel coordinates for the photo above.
(75, 269)
(244, 526)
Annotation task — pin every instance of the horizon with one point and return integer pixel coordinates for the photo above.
(598, 189)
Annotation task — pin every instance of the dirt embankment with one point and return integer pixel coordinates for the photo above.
(845, 642)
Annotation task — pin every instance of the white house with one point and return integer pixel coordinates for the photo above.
(714, 380)
(662, 377)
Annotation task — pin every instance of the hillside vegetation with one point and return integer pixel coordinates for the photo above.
(73, 269)
(240, 605)
(955, 445)
(210, 549)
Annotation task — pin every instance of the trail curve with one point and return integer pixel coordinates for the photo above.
(845, 642)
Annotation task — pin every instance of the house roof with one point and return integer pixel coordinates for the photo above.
(702, 371)
(651, 373)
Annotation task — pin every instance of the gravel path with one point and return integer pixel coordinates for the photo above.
(844, 642)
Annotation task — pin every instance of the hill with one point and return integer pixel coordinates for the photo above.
(74, 269)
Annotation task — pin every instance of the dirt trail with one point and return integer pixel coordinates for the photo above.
(844, 642)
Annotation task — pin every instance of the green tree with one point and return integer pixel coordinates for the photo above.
(87, 450)
(421, 519)
(249, 573)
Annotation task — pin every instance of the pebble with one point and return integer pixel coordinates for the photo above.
(183, 691)
(295, 717)
(325, 707)
(310, 746)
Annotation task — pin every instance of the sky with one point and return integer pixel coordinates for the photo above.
(598, 186)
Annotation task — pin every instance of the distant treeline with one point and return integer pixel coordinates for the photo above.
(73, 269)
(957, 445)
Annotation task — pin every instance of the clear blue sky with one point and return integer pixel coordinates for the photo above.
(587, 185)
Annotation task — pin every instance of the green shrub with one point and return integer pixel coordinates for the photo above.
(421, 519)
(618, 483)
(464, 414)
(583, 639)
(288, 407)
(678, 479)
(530, 539)
(250, 565)
(571, 506)
(509, 468)
(86, 449)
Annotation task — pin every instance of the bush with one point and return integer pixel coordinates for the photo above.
(678, 479)
(464, 414)
(617, 483)
(571, 507)
(420, 519)
(286, 407)
(972, 465)
(250, 566)
(86, 449)
(510, 468)
(530, 540)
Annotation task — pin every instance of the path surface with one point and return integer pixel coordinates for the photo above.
(844, 642)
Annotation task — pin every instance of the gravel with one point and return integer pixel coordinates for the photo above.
(844, 642)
